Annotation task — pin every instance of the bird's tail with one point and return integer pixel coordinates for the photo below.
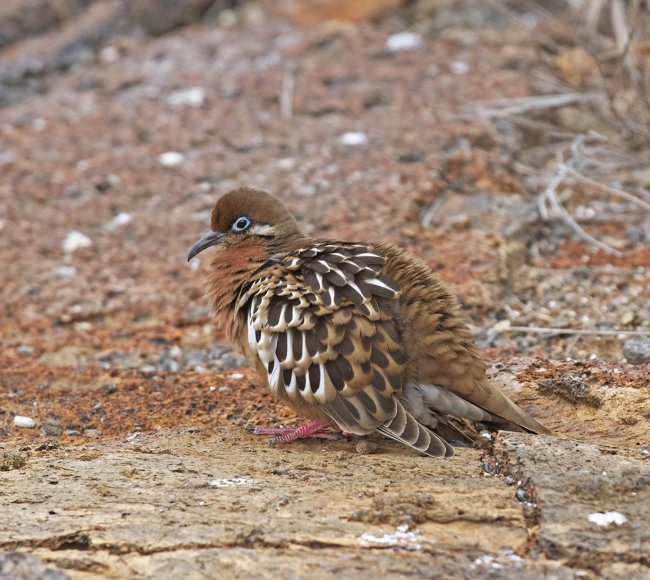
(509, 416)
(403, 427)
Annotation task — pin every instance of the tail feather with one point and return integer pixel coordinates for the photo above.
(510, 415)
(491, 407)
(406, 429)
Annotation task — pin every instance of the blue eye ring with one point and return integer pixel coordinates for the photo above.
(241, 224)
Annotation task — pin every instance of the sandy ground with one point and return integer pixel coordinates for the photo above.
(141, 463)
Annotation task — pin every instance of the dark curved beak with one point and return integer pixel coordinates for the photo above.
(209, 239)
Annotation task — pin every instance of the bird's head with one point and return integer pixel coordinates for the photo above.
(245, 216)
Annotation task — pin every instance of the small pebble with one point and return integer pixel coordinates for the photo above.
(176, 351)
(66, 271)
(109, 54)
(121, 219)
(51, 427)
(74, 241)
(605, 519)
(459, 67)
(365, 447)
(171, 159)
(25, 349)
(11, 460)
(284, 500)
(24, 422)
(48, 446)
(627, 317)
(39, 124)
(353, 138)
(637, 351)
(502, 326)
(403, 41)
(189, 97)
(287, 163)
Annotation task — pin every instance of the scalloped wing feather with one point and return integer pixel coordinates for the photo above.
(322, 324)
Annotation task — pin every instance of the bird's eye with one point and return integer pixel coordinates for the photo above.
(241, 224)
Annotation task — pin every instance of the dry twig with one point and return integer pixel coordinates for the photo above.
(612, 33)
(575, 331)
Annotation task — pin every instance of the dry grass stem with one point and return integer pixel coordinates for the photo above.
(592, 129)
(575, 331)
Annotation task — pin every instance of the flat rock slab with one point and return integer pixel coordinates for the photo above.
(185, 503)
(591, 503)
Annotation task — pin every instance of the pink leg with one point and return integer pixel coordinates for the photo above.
(284, 434)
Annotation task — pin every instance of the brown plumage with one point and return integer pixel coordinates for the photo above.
(360, 335)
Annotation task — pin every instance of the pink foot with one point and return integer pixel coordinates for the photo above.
(286, 433)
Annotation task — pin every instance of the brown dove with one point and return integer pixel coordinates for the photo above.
(355, 335)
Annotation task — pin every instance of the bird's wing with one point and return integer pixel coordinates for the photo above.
(450, 373)
(322, 322)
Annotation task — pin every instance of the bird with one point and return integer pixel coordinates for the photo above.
(359, 337)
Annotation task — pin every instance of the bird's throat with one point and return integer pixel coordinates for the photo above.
(231, 269)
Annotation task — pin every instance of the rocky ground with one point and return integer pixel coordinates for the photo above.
(120, 125)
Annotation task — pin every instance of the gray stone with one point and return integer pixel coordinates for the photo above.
(19, 566)
(637, 351)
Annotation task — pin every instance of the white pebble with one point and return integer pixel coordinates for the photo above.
(75, 240)
(189, 97)
(607, 518)
(403, 41)
(39, 124)
(502, 326)
(24, 422)
(109, 54)
(286, 163)
(133, 436)
(171, 158)
(353, 138)
(236, 376)
(66, 271)
(233, 481)
(402, 537)
(121, 219)
(459, 67)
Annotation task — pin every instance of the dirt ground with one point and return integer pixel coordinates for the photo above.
(120, 125)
